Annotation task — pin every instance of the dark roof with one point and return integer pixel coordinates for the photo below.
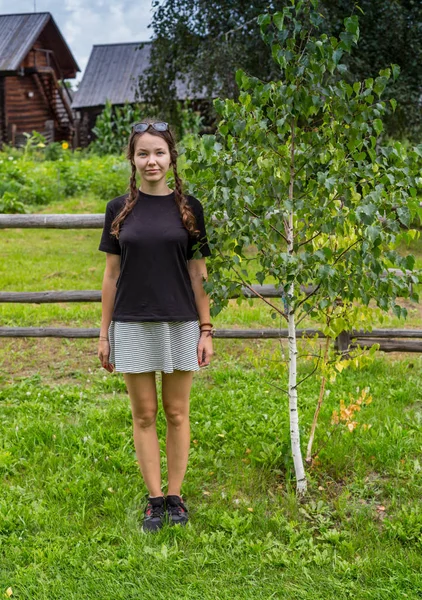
(19, 32)
(112, 73)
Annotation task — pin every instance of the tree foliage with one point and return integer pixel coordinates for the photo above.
(202, 43)
(205, 42)
(390, 32)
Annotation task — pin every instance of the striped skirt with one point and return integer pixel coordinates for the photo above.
(154, 346)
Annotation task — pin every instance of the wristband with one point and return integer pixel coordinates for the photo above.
(209, 332)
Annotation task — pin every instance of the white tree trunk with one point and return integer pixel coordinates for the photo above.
(301, 482)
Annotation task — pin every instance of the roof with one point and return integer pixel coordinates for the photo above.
(112, 73)
(19, 32)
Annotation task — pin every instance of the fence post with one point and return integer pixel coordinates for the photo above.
(341, 344)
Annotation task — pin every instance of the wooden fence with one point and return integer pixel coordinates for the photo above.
(390, 340)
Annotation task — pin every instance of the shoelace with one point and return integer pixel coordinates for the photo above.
(154, 511)
(177, 509)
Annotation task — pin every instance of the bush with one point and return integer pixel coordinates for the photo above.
(112, 128)
(38, 174)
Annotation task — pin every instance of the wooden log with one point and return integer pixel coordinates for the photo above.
(387, 333)
(93, 332)
(65, 221)
(68, 332)
(266, 290)
(53, 296)
(389, 346)
(60, 332)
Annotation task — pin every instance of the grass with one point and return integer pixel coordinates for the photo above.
(72, 495)
(72, 498)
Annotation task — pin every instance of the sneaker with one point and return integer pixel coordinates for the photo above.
(154, 514)
(176, 510)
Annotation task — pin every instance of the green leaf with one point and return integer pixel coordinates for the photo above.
(380, 83)
(278, 19)
(260, 277)
(396, 71)
(241, 78)
(378, 126)
(352, 24)
(337, 54)
(264, 19)
(410, 262)
(373, 233)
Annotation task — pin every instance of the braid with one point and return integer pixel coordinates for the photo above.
(188, 218)
(129, 203)
(133, 188)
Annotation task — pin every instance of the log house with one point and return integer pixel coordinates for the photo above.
(35, 61)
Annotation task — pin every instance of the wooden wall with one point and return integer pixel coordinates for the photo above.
(37, 59)
(85, 124)
(22, 111)
(3, 125)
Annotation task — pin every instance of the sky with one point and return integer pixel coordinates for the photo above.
(84, 23)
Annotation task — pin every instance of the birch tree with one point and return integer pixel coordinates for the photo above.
(297, 169)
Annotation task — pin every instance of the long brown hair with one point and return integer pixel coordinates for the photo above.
(188, 218)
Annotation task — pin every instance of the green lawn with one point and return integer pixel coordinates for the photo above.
(72, 495)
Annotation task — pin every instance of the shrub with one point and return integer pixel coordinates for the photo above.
(112, 128)
(38, 174)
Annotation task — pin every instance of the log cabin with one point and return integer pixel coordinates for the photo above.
(35, 62)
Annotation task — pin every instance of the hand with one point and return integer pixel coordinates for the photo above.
(103, 354)
(205, 350)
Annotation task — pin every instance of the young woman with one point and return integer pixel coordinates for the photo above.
(152, 298)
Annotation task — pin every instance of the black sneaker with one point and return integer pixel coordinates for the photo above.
(176, 510)
(154, 514)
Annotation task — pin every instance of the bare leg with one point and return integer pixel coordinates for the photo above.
(176, 388)
(143, 398)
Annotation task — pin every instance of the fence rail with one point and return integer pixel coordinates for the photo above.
(390, 340)
(65, 221)
(386, 338)
(266, 290)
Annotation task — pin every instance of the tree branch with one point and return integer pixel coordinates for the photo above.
(309, 374)
(306, 298)
(310, 239)
(272, 226)
(227, 33)
(255, 292)
(347, 250)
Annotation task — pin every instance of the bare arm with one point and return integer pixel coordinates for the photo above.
(108, 293)
(198, 272)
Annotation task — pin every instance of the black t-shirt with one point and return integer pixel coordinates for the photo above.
(154, 282)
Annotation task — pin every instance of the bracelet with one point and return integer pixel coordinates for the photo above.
(202, 324)
(209, 332)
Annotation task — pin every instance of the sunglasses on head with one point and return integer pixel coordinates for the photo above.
(158, 126)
